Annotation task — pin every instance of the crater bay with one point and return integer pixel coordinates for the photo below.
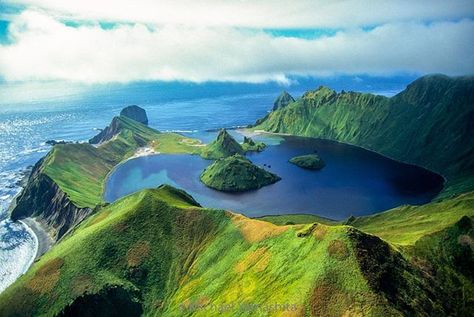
(355, 181)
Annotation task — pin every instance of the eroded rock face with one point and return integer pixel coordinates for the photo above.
(135, 113)
(108, 133)
(43, 198)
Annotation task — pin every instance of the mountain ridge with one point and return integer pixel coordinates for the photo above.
(428, 124)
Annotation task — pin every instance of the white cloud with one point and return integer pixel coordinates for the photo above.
(43, 48)
(256, 13)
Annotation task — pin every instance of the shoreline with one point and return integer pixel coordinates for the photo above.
(260, 132)
(43, 240)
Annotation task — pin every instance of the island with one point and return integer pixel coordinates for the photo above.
(225, 145)
(309, 161)
(158, 252)
(236, 174)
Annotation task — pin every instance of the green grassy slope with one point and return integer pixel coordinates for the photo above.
(80, 169)
(406, 224)
(225, 145)
(430, 124)
(158, 253)
(296, 219)
(236, 174)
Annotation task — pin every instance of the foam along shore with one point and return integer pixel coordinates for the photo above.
(39, 233)
(144, 151)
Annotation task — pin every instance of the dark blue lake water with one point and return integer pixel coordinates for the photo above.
(354, 182)
(32, 114)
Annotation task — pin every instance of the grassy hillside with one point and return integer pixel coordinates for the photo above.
(225, 145)
(406, 224)
(236, 174)
(80, 169)
(158, 253)
(430, 123)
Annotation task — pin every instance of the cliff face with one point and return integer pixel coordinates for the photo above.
(42, 198)
(108, 133)
(429, 124)
(135, 113)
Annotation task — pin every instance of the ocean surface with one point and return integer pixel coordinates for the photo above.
(29, 117)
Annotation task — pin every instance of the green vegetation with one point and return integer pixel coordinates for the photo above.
(250, 145)
(309, 161)
(406, 224)
(296, 219)
(283, 100)
(80, 169)
(225, 145)
(236, 174)
(158, 253)
(419, 125)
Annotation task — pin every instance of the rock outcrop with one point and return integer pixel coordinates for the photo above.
(108, 133)
(135, 113)
(132, 112)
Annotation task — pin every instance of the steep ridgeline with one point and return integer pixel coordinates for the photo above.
(430, 123)
(225, 145)
(158, 253)
(283, 100)
(135, 113)
(67, 185)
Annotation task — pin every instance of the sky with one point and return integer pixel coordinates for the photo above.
(255, 41)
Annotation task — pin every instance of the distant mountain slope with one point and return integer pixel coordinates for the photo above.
(157, 252)
(430, 123)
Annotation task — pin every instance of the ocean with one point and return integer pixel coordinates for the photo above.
(29, 119)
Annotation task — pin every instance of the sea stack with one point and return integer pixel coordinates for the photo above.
(135, 113)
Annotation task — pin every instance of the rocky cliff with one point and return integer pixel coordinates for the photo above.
(42, 198)
(135, 113)
(108, 133)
